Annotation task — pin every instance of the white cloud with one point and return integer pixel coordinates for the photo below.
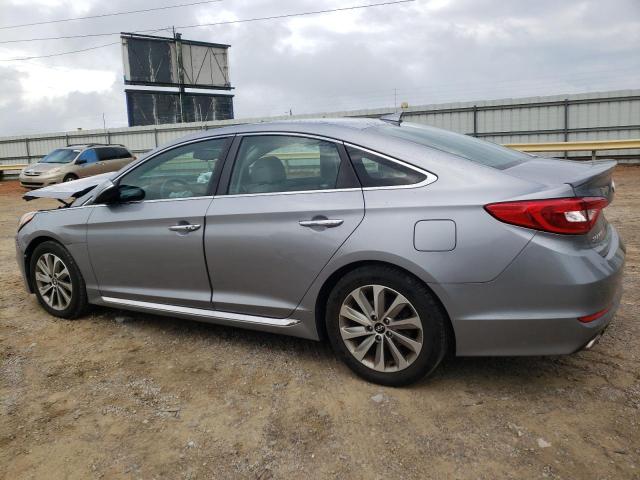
(41, 82)
(428, 51)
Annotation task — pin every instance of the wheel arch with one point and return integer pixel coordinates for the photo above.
(29, 252)
(330, 282)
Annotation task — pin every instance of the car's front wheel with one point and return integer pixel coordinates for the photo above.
(386, 325)
(69, 178)
(57, 281)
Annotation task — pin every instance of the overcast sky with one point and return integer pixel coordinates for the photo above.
(428, 51)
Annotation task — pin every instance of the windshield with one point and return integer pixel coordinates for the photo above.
(470, 148)
(61, 155)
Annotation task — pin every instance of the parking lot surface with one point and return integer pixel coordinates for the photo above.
(127, 395)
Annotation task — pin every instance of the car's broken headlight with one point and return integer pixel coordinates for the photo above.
(26, 218)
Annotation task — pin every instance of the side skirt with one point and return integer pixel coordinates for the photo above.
(213, 316)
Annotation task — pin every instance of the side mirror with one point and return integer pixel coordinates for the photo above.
(80, 161)
(130, 194)
(120, 194)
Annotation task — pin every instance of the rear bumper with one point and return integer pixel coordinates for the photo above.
(533, 307)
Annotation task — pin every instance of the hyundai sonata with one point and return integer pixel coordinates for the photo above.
(398, 242)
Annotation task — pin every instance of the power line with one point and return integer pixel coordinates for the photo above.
(21, 59)
(102, 15)
(24, 59)
(228, 22)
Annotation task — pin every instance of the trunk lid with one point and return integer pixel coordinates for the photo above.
(588, 179)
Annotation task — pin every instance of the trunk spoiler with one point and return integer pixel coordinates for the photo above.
(596, 181)
(66, 190)
(588, 179)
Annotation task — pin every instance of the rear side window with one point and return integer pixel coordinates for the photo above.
(112, 153)
(279, 163)
(376, 171)
(105, 153)
(470, 148)
(120, 152)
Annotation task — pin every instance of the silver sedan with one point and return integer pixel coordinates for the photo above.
(397, 242)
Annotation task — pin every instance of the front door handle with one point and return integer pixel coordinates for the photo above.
(327, 222)
(184, 228)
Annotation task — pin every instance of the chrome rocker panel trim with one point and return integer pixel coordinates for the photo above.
(201, 313)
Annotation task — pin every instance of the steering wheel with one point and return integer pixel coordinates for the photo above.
(172, 185)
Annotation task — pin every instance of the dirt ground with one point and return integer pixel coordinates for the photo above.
(125, 395)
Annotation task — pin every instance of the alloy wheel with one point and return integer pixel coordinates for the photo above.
(381, 328)
(53, 281)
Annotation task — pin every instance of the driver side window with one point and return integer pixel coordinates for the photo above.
(89, 156)
(182, 172)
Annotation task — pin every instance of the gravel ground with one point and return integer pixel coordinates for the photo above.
(127, 395)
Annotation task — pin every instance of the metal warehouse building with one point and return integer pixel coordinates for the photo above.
(613, 115)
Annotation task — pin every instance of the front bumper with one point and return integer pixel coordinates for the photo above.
(20, 258)
(39, 181)
(533, 307)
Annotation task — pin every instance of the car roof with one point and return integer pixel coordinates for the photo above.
(80, 146)
(330, 127)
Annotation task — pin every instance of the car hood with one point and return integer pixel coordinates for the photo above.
(73, 189)
(43, 167)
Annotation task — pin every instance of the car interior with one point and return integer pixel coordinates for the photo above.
(185, 173)
(278, 165)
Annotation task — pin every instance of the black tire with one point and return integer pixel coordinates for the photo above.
(78, 305)
(70, 177)
(432, 318)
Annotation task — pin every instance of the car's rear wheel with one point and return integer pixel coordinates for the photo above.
(386, 325)
(70, 177)
(57, 281)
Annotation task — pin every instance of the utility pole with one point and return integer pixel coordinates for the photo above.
(178, 39)
(104, 127)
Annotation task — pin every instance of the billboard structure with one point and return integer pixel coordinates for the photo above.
(146, 107)
(152, 61)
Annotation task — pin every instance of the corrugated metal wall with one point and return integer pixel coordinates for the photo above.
(592, 116)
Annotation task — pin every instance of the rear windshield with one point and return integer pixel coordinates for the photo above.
(61, 155)
(479, 151)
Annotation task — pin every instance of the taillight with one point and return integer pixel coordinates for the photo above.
(572, 216)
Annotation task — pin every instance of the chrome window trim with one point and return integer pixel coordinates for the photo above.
(429, 177)
(290, 134)
(296, 192)
(201, 197)
(202, 312)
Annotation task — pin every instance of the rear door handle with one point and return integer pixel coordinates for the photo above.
(328, 223)
(184, 228)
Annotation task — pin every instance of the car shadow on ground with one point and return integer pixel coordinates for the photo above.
(468, 370)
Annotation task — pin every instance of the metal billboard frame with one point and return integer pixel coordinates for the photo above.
(181, 71)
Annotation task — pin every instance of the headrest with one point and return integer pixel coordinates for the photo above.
(267, 169)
